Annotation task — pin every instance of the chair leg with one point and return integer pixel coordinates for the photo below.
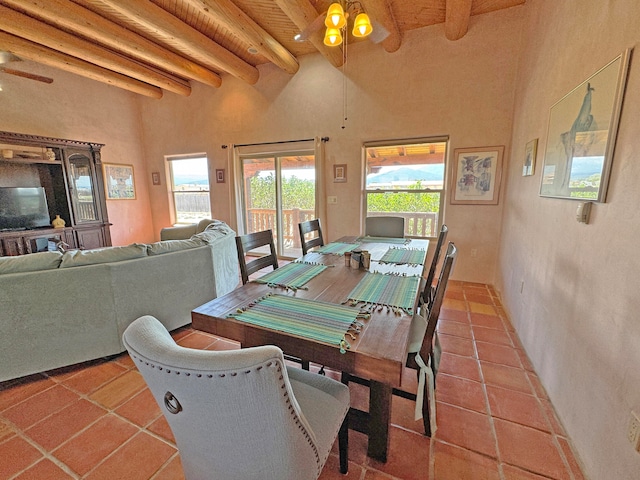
(343, 445)
(426, 414)
(305, 364)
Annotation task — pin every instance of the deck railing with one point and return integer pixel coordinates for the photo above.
(416, 224)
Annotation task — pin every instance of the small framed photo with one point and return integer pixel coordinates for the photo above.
(530, 152)
(219, 175)
(476, 174)
(155, 176)
(340, 173)
(119, 182)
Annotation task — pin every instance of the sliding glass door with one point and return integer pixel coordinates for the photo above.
(279, 192)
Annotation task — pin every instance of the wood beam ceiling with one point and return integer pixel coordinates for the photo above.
(457, 16)
(79, 20)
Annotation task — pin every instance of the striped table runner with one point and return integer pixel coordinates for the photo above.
(378, 290)
(336, 248)
(325, 322)
(404, 256)
(368, 239)
(292, 276)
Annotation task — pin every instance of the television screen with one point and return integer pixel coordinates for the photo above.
(23, 208)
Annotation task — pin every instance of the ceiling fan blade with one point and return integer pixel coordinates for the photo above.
(30, 76)
(312, 28)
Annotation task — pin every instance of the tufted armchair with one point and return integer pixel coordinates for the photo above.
(240, 414)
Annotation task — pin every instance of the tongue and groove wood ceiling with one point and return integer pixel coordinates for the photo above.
(148, 46)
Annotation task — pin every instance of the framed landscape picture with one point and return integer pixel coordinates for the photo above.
(119, 182)
(475, 175)
(581, 135)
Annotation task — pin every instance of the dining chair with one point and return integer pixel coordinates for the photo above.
(429, 288)
(241, 414)
(423, 344)
(310, 226)
(249, 242)
(384, 227)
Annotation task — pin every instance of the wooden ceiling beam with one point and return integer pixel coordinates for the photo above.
(67, 15)
(302, 13)
(37, 53)
(381, 12)
(227, 14)
(190, 40)
(457, 15)
(38, 32)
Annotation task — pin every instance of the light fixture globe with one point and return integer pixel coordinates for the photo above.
(362, 25)
(332, 37)
(335, 16)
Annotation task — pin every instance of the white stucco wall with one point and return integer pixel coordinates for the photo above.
(577, 315)
(430, 87)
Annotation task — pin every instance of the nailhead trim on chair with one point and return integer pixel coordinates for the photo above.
(296, 418)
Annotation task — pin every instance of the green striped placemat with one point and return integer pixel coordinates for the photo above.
(395, 292)
(369, 239)
(321, 321)
(404, 256)
(292, 275)
(336, 248)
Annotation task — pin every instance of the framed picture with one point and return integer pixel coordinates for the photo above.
(475, 175)
(155, 176)
(581, 135)
(220, 175)
(340, 173)
(530, 152)
(119, 182)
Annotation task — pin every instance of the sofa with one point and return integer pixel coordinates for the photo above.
(181, 232)
(58, 309)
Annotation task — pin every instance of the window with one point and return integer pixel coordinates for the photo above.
(190, 188)
(407, 180)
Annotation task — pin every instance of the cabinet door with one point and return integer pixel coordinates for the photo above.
(89, 238)
(81, 178)
(12, 246)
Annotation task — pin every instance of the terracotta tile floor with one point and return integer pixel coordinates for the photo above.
(98, 420)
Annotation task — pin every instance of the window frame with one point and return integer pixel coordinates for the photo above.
(399, 143)
(172, 187)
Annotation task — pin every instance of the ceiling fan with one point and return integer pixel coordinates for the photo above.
(6, 57)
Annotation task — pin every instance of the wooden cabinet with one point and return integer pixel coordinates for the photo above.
(70, 174)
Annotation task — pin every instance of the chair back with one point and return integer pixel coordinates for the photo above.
(429, 290)
(424, 322)
(251, 241)
(310, 227)
(233, 413)
(438, 298)
(384, 227)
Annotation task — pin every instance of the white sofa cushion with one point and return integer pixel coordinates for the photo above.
(30, 263)
(168, 246)
(77, 258)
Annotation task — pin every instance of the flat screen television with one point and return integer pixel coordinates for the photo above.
(23, 208)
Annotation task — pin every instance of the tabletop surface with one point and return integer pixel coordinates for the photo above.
(378, 352)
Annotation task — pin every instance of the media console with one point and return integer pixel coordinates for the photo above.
(70, 172)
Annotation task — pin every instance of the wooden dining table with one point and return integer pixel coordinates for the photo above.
(377, 353)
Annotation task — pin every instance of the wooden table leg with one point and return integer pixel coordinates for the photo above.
(379, 420)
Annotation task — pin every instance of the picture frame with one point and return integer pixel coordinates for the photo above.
(119, 182)
(581, 135)
(530, 154)
(476, 174)
(340, 173)
(155, 177)
(219, 175)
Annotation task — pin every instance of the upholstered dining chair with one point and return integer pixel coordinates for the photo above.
(241, 414)
(429, 288)
(311, 226)
(249, 242)
(423, 349)
(384, 227)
